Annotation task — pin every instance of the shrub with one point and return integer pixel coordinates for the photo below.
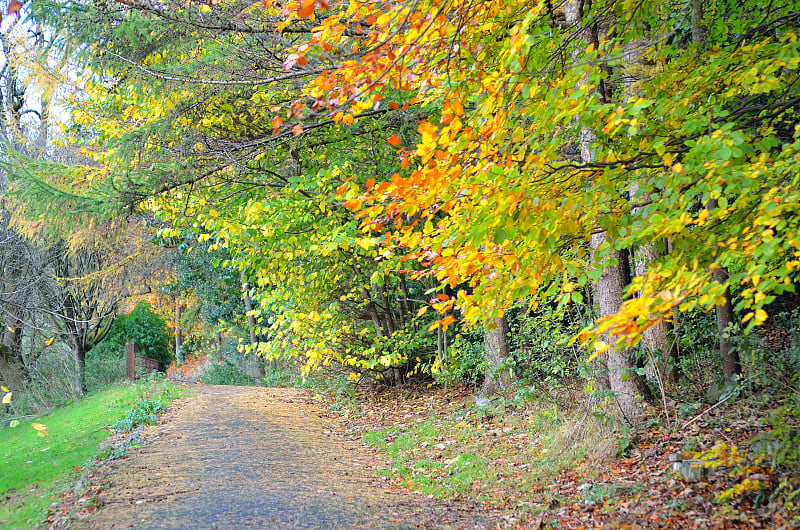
(147, 330)
(465, 363)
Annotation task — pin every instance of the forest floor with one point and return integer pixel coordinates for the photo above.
(550, 469)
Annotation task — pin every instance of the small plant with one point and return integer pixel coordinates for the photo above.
(143, 412)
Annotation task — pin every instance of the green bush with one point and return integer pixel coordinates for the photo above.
(465, 363)
(147, 330)
(540, 342)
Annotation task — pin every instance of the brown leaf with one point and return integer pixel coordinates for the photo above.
(14, 7)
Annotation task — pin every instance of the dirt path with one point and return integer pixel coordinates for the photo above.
(241, 457)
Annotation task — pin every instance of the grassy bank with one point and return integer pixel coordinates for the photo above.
(554, 466)
(36, 470)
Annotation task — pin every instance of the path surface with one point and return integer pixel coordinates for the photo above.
(243, 457)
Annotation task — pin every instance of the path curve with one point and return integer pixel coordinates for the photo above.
(246, 457)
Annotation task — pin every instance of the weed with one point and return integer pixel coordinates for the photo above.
(143, 412)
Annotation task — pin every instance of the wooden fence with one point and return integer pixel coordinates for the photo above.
(138, 364)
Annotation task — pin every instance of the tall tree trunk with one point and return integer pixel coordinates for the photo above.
(248, 306)
(659, 337)
(628, 387)
(495, 353)
(626, 384)
(251, 324)
(731, 365)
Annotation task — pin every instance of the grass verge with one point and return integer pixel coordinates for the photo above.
(36, 470)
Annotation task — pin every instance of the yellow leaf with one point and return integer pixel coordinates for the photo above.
(599, 347)
(4, 389)
(761, 315)
(49, 341)
(13, 423)
(7, 398)
(38, 426)
(43, 434)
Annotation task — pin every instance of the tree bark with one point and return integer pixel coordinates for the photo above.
(251, 324)
(495, 352)
(627, 385)
(79, 354)
(659, 337)
(731, 364)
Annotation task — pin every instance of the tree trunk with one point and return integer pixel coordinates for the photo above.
(731, 364)
(79, 353)
(627, 385)
(495, 352)
(178, 334)
(248, 306)
(659, 337)
(251, 324)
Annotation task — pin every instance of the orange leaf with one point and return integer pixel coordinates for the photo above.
(393, 105)
(307, 9)
(297, 130)
(276, 124)
(14, 7)
(394, 140)
(370, 183)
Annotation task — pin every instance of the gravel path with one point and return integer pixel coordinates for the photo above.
(243, 457)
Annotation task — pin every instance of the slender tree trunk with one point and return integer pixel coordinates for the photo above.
(248, 306)
(251, 324)
(495, 352)
(731, 364)
(628, 387)
(178, 334)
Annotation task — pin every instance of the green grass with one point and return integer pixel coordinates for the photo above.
(35, 471)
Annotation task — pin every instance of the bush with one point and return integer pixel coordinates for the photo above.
(465, 363)
(105, 364)
(147, 330)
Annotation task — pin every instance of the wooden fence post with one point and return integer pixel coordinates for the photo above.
(131, 362)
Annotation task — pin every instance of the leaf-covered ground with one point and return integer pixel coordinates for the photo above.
(551, 468)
